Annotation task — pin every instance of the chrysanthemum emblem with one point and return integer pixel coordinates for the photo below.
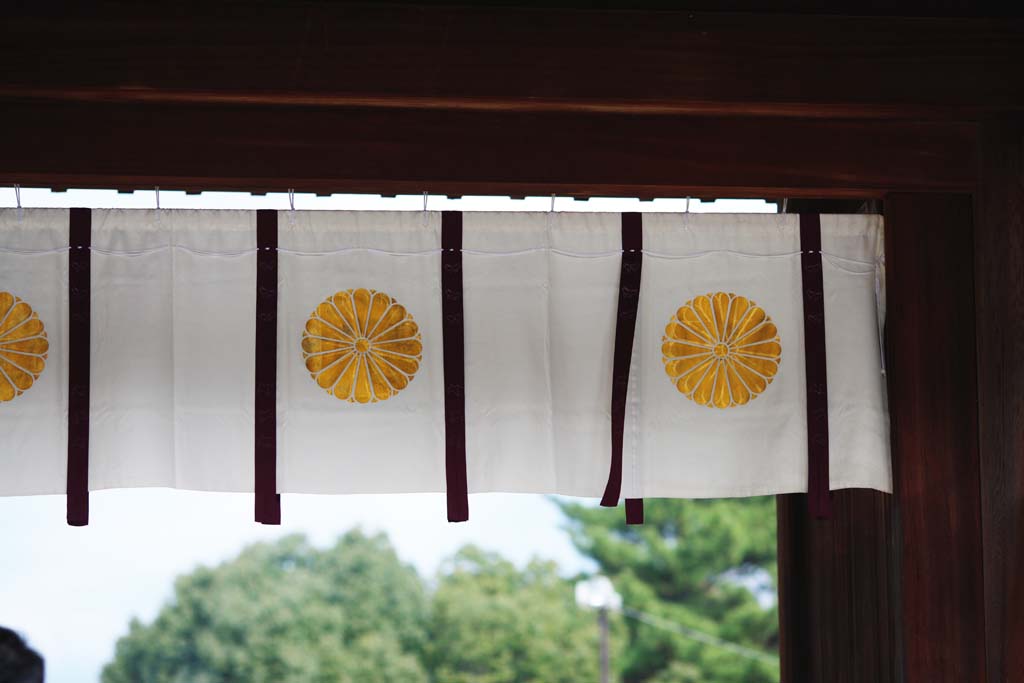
(23, 347)
(721, 350)
(362, 346)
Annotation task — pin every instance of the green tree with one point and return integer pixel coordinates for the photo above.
(492, 623)
(682, 566)
(286, 612)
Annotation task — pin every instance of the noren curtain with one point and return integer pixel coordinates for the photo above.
(716, 383)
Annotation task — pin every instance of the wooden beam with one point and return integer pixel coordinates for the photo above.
(316, 149)
(536, 59)
(999, 297)
(930, 339)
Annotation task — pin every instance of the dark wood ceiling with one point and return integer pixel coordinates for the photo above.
(905, 8)
(640, 62)
(338, 96)
(891, 8)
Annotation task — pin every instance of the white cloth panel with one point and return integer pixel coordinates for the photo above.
(33, 419)
(677, 447)
(172, 355)
(540, 330)
(391, 444)
(173, 300)
(853, 265)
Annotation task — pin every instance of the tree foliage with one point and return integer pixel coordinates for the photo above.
(286, 612)
(289, 612)
(683, 565)
(495, 624)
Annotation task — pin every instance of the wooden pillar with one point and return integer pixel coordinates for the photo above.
(930, 339)
(999, 297)
(837, 610)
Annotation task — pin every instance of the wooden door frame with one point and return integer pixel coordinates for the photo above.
(923, 113)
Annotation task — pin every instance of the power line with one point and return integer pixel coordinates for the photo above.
(699, 636)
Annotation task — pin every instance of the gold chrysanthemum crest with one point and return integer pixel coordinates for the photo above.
(23, 347)
(361, 346)
(721, 350)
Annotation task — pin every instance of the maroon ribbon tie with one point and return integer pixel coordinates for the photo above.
(818, 494)
(625, 327)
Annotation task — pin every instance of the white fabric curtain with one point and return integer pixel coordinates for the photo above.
(33, 409)
(173, 318)
(676, 447)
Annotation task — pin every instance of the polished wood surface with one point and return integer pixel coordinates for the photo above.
(999, 297)
(347, 97)
(836, 576)
(933, 403)
(316, 53)
(393, 151)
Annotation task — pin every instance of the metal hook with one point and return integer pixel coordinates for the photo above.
(156, 216)
(687, 205)
(291, 206)
(17, 200)
(548, 228)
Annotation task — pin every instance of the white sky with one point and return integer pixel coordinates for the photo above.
(71, 591)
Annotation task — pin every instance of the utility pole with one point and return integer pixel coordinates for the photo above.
(598, 593)
(602, 620)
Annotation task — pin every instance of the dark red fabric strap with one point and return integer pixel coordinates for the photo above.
(79, 282)
(625, 326)
(634, 511)
(268, 500)
(453, 341)
(818, 496)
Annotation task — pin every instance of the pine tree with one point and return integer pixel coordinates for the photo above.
(686, 567)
